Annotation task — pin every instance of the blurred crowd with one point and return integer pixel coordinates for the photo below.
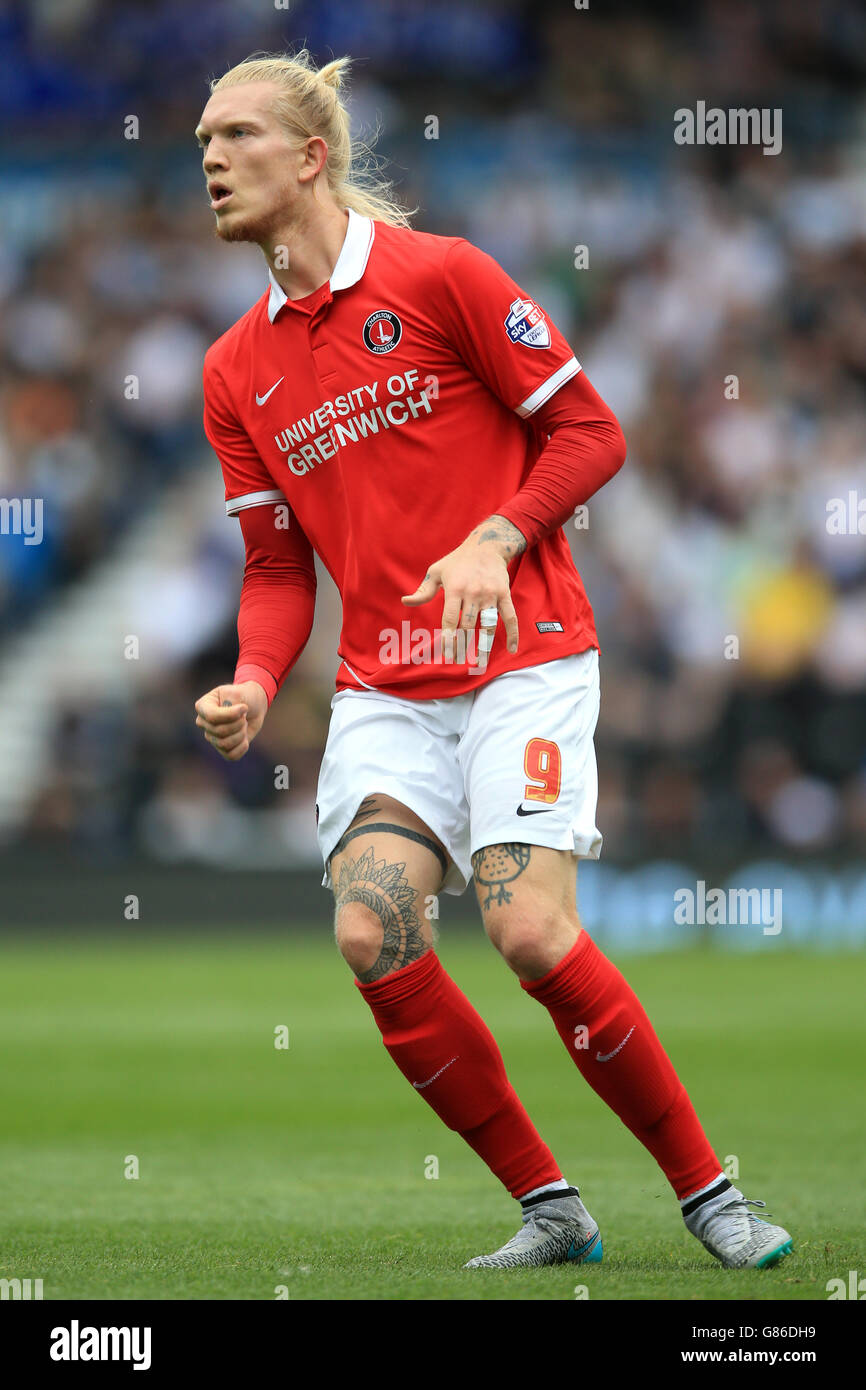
(715, 296)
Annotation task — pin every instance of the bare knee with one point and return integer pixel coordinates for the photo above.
(360, 936)
(378, 942)
(386, 870)
(532, 944)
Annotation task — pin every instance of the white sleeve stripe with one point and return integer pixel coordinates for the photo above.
(252, 499)
(547, 388)
(357, 677)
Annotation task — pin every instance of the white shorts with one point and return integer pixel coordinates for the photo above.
(511, 762)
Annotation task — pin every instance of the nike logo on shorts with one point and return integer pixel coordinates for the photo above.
(539, 812)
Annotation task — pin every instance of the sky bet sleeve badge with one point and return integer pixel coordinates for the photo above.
(526, 324)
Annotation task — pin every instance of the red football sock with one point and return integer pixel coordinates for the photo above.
(624, 1062)
(450, 1056)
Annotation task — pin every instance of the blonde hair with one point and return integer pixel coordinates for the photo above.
(308, 104)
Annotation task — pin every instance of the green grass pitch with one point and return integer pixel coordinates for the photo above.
(304, 1168)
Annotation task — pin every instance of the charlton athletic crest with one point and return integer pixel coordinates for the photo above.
(382, 331)
(526, 324)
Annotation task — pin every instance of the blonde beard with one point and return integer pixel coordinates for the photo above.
(255, 229)
(259, 229)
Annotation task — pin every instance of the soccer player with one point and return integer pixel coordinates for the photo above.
(397, 404)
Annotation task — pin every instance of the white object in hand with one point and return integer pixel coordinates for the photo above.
(489, 619)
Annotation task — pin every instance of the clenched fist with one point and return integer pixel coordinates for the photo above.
(231, 716)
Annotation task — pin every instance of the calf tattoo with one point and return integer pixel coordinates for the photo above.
(497, 865)
(383, 888)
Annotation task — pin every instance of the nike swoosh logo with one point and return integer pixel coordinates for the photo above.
(575, 1252)
(419, 1085)
(608, 1055)
(260, 400)
(540, 812)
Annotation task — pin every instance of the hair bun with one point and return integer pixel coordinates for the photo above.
(332, 73)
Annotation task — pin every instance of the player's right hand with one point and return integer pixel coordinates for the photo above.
(231, 716)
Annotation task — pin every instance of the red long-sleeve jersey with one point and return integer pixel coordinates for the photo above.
(377, 422)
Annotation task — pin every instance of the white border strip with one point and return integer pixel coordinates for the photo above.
(352, 261)
(547, 388)
(358, 678)
(252, 499)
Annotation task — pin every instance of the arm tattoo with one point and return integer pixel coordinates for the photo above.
(368, 807)
(384, 889)
(496, 865)
(505, 533)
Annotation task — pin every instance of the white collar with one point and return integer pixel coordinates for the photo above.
(351, 262)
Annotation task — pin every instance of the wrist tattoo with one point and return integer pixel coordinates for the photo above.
(503, 533)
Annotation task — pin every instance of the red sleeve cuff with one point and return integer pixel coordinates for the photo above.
(531, 530)
(259, 674)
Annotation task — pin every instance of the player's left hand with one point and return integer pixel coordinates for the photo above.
(474, 576)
